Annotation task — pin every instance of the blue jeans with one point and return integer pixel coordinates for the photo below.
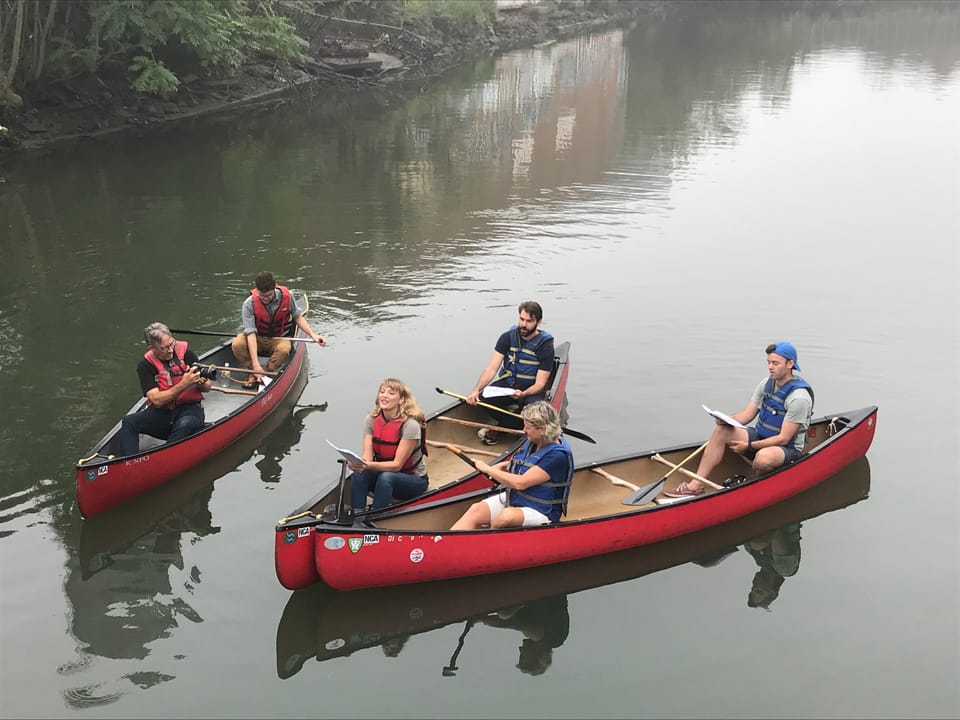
(167, 425)
(386, 486)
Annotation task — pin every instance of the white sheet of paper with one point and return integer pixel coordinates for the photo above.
(264, 383)
(349, 455)
(724, 417)
(492, 391)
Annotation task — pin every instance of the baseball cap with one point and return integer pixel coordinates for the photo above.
(785, 350)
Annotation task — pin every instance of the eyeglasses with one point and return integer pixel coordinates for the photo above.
(168, 347)
(268, 297)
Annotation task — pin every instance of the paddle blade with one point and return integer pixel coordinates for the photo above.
(644, 494)
(578, 434)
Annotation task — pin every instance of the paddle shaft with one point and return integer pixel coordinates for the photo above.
(230, 368)
(683, 471)
(475, 451)
(231, 391)
(232, 334)
(687, 459)
(488, 406)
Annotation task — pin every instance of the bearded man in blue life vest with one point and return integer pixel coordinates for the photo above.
(536, 480)
(269, 315)
(783, 406)
(522, 361)
(174, 389)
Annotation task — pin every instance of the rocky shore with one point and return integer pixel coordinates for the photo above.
(346, 54)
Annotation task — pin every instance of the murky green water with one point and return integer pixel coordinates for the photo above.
(676, 196)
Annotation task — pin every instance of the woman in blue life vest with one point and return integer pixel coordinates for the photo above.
(536, 480)
(394, 447)
(783, 406)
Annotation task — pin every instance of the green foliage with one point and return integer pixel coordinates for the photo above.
(154, 77)
(219, 34)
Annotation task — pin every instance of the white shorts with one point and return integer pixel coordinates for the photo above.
(497, 504)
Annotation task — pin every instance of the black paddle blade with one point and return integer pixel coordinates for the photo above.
(644, 494)
(578, 434)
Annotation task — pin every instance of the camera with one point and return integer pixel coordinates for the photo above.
(207, 373)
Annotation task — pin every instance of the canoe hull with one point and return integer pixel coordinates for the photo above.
(103, 482)
(350, 558)
(294, 541)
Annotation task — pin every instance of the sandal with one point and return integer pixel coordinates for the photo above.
(684, 490)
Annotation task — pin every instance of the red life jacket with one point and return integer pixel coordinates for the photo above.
(386, 438)
(169, 374)
(280, 324)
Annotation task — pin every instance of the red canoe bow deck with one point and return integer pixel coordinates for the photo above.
(449, 477)
(414, 544)
(104, 480)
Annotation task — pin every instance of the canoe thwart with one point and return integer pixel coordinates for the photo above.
(472, 451)
(468, 423)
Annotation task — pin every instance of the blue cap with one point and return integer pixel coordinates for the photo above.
(788, 352)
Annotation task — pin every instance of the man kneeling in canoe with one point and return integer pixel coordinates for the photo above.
(537, 478)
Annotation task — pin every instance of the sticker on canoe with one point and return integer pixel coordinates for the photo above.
(303, 532)
(334, 543)
(355, 544)
(371, 539)
(416, 555)
(336, 643)
(289, 537)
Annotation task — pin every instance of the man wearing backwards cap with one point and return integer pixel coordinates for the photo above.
(784, 404)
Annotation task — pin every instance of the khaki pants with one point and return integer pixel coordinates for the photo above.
(277, 348)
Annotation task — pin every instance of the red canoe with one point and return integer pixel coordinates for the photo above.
(322, 623)
(454, 424)
(410, 545)
(105, 480)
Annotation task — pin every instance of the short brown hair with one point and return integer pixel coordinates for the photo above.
(532, 308)
(265, 281)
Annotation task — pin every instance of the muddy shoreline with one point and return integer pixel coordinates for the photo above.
(363, 56)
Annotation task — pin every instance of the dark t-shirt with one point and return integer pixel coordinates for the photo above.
(148, 373)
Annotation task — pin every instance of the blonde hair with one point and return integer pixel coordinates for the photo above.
(408, 403)
(541, 414)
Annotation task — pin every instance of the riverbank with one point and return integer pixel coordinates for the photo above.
(348, 54)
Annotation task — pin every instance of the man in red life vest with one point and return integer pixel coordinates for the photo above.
(174, 390)
(269, 315)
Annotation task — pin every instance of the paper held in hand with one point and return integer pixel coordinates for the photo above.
(492, 391)
(349, 455)
(724, 417)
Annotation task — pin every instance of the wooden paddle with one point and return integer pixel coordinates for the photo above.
(466, 458)
(232, 334)
(687, 459)
(683, 471)
(566, 430)
(614, 479)
(231, 391)
(475, 451)
(230, 368)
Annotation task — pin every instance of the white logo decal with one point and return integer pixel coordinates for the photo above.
(334, 543)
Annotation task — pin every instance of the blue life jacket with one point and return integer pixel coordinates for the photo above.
(520, 365)
(773, 407)
(549, 497)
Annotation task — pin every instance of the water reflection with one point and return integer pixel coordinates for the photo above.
(121, 587)
(323, 623)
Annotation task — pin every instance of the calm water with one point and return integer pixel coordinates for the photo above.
(677, 196)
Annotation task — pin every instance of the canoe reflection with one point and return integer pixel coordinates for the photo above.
(324, 623)
(120, 586)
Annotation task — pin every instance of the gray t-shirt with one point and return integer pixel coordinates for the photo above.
(799, 406)
(250, 322)
(410, 431)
